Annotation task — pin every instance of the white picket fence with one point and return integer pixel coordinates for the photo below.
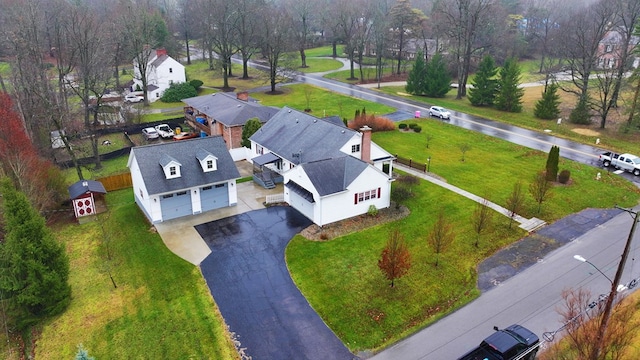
(276, 198)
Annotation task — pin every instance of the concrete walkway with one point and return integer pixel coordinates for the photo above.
(526, 224)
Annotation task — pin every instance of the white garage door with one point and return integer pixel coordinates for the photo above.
(175, 205)
(214, 197)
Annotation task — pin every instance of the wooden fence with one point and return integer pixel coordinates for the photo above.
(116, 182)
(412, 164)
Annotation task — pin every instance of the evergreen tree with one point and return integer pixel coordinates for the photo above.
(34, 266)
(437, 81)
(580, 114)
(416, 78)
(484, 83)
(553, 161)
(83, 354)
(250, 127)
(509, 95)
(548, 106)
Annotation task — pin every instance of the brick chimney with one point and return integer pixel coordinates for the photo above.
(365, 147)
(161, 51)
(243, 95)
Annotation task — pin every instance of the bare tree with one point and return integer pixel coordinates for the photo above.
(301, 13)
(466, 20)
(404, 21)
(481, 218)
(584, 29)
(380, 34)
(581, 314)
(248, 29)
(187, 20)
(395, 260)
(276, 42)
(441, 235)
(463, 149)
(346, 14)
(540, 188)
(515, 202)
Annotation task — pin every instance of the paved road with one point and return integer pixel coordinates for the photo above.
(529, 298)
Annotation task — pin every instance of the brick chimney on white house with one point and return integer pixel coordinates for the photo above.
(161, 51)
(365, 147)
(243, 95)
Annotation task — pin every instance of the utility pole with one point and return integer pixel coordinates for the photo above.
(606, 313)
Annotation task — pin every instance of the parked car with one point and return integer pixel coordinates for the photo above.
(150, 133)
(440, 112)
(184, 136)
(133, 98)
(165, 131)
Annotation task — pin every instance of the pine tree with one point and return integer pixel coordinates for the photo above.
(34, 266)
(484, 84)
(437, 81)
(580, 114)
(509, 95)
(416, 78)
(548, 106)
(553, 161)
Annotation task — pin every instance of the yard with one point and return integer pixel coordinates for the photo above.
(340, 277)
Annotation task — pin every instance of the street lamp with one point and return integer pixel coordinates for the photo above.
(580, 258)
(428, 163)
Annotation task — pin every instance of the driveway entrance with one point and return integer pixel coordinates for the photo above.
(249, 280)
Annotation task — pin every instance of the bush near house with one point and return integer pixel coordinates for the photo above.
(178, 91)
(376, 123)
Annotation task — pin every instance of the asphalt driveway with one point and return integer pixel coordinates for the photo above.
(249, 280)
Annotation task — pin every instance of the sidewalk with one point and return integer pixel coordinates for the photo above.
(525, 224)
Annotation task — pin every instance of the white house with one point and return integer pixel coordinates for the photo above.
(329, 171)
(182, 178)
(162, 71)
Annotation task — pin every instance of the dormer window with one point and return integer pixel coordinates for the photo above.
(208, 161)
(170, 167)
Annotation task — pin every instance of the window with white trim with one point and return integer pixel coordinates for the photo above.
(172, 171)
(355, 148)
(367, 195)
(209, 164)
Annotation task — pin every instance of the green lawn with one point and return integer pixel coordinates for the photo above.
(213, 78)
(320, 65)
(324, 51)
(161, 308)
(321, 102)
(340, 277)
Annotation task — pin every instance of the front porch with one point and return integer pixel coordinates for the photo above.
(265, 170)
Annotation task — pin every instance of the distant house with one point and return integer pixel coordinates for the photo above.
(162, 71)
(610, 50)
(329, 171)
(225, 114)
(182, 178)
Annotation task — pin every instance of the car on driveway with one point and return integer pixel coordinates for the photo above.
(150, 133)
(164, 131)
(440, 112)
(133, 98)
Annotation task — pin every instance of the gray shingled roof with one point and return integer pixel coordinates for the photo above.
(83, 186)
(332, 176)
(291, 132)
(230, 111)
(159, 60)
(185, 152)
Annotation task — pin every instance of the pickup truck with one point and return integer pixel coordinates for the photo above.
(513, 343)
(626, 162)
(165, 131)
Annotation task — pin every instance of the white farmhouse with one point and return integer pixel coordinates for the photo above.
(162, 71)
(330, 172)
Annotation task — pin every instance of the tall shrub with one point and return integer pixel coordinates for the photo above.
(552, 163)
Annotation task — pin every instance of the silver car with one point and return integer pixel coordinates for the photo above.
(150, 133)
(440, 112)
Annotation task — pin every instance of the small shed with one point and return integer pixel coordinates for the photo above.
(87, 197)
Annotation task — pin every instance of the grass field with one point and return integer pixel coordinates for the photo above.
(161, 308)
(340, 277)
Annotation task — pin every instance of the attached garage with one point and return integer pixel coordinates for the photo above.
(176, 205)
(214, 197)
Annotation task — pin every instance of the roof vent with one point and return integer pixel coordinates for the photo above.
(289, 111)
(315, 120)
(343, 131)
(239, 105)
(296, 121)
(85, 183)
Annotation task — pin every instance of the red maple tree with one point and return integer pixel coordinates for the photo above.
(395, 260)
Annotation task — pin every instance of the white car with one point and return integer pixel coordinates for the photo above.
(164, 131)
(149, 133)
(133, 98)
(440, 112)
